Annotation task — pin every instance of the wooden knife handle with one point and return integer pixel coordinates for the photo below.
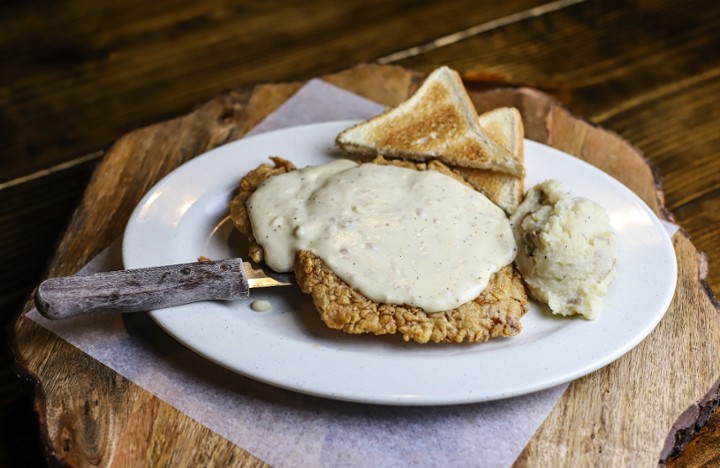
(142, 289)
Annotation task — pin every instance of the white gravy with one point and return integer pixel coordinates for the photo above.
(261, 306)
(397, 235)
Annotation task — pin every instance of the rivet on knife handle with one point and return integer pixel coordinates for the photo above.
(142, 289)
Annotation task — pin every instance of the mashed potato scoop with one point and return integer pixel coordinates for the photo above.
(566, 249)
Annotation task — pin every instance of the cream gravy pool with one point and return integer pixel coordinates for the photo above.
(397, 235)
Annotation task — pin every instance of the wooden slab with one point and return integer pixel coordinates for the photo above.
(620, 415)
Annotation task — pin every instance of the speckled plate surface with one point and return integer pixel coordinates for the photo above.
(185, 216)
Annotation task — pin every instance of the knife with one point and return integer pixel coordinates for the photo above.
(152, 288)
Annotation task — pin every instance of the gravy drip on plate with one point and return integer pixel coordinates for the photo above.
(397, 235)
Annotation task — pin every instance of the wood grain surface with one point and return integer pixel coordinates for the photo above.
(142, 289)
(79, 74)
(123, 47)
(620, 415)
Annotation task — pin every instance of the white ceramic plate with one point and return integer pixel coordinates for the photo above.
(184, 217)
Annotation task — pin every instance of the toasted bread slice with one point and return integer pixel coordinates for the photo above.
(438, 122)
(504, 125)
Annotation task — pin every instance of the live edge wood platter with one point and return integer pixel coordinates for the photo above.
(638, 411)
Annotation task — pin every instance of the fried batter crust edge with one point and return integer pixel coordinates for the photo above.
(496, 312)
(248, 184)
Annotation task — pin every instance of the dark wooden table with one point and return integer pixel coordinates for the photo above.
(79, 74)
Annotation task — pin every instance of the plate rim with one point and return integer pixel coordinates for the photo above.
(413, 400)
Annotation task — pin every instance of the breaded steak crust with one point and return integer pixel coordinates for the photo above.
(496, 312)
(248, 185)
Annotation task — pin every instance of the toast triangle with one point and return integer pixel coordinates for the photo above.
(439, 122)
(504, 125)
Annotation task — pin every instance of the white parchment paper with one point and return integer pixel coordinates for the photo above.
(289, 429)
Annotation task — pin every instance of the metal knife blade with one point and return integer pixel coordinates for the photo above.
(259, 277)
(153, 288)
